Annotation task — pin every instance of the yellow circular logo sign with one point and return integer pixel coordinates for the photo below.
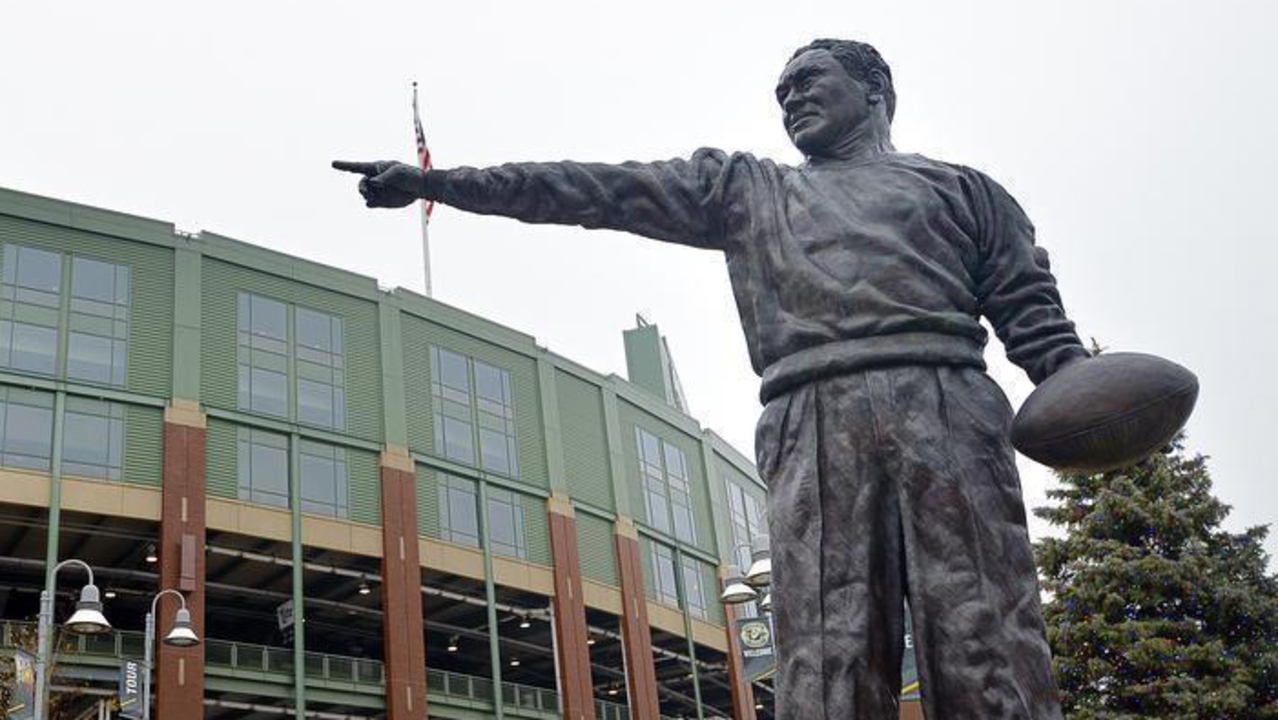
(755, 635)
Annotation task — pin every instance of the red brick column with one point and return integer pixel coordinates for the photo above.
(641, 674)
(912, 710)
(404, 645)
(742, 693)
(570, 614)
(179, 683)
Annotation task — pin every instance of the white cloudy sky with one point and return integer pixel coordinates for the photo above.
(1139, 136)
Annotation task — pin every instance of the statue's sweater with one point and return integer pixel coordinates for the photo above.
(836, 266)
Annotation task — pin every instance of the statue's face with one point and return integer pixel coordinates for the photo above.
(821, 103)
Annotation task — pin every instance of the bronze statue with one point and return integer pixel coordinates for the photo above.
(860, 277)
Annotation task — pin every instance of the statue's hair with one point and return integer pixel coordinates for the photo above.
(860, 60)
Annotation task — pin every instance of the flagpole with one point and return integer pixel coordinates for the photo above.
(423, 158)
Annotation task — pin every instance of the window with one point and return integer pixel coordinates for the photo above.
(473, 407)
(316, 347)
(321, 370)
(323, 472)
(666, 486)
(97, 341)
(506, 523)
(26, 429)
(458, 509)
(692, 589)
(31, 311)
(263, 467)
(93, 439)
(663, 566)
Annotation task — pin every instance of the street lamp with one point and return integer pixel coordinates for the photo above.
(182, 635)
(760, 572)
(87, 618)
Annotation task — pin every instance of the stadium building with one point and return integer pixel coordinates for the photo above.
(375, 504)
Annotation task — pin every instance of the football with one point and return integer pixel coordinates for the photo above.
(1105, 412)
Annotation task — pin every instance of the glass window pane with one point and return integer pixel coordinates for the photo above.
(35, 348)
(28, 431)
(674, 460)
(89, 357)
(458, 442)
(684, 528)
(488, 382)
(269, 392)
(93, 280)
(314, 329)
(462, 512)
(319, 479)
(501, 519)
(657, 516)
(493, 447)
(269, 468)
(649, 448)
(268, 317)
(314, 403)
(452, 370)
(39, 269)
(86, 438)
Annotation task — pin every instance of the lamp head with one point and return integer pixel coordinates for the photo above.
(760, 573)
(735, 591)
(88, 617)
(183, 633)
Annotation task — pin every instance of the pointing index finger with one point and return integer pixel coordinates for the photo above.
(367, 169)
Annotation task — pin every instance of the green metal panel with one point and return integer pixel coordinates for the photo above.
(143, 445)
(585, 445)
(150, 300)
(186, 322)
(222, 282)
(418, 336)
(428, 502)
(595, 548)
(364, 491)
(221, 475)
(649, 572)
(643, 360)
(536, 529)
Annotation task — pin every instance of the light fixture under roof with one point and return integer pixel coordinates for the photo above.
(760, 573)
(514, 662)
(88, 618)
(735, 591)
(109, 594)
(613, 691)
(452, 644)
(151, 555)
(364, 589)
(183, 633)
(525, 623)
(591, 641)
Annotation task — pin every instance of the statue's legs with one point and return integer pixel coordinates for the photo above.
(891, 482)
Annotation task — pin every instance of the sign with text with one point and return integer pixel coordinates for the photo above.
(130, 691)
(758, 659)
(22, 702)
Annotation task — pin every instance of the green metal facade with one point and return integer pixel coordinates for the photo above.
(574, 429)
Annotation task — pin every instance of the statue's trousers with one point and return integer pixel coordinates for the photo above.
(893, 483)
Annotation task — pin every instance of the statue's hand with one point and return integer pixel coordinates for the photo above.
(387, 183)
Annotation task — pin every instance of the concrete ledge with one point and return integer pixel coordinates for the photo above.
(516, 573)
(185, 412)
(111, 498)
(247, 519)
(23, 487)
(341, 535)
(600, 596)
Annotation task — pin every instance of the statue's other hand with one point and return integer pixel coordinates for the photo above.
(387, 183)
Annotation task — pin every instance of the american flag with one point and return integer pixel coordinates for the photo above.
(423, 152)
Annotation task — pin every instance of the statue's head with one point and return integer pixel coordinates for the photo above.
(832, 89)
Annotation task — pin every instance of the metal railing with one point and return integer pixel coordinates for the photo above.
(470, 687)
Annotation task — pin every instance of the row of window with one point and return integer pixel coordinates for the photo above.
(667, 490)
(291, 362)
(459, 516)
(473, 406)
(665, 584)
(92, 434)
(47, 298)
(263, 473)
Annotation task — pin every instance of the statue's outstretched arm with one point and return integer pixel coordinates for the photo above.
(675, 200)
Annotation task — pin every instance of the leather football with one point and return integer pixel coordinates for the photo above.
(1105, 412)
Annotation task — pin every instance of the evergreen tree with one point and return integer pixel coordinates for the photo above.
(1155, 611)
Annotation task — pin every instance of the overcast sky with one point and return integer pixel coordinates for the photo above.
(1139, 137)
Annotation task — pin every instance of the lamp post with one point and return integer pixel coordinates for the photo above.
(87, 618)
(182, 635)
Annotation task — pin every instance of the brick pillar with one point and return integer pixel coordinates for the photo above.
(641, 674)
(404, 645)
(912, 710)
(742, 693)
(179, 683)
(570, 613)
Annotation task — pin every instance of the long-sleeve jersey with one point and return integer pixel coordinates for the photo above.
(835, 266)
